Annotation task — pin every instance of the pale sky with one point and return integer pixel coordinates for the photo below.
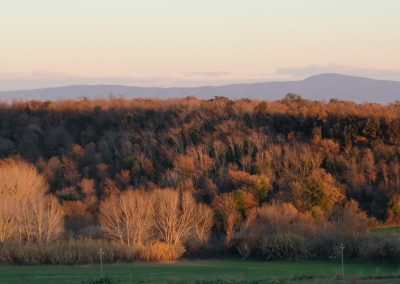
(193, 42)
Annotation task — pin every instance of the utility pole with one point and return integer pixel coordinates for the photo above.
(342, 248)
(101, 253)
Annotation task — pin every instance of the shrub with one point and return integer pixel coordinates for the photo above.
(160, 252)
(63, 252)
(286, 245)
(380, 247)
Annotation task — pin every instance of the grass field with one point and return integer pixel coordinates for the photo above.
(200, 272)
(387, 230)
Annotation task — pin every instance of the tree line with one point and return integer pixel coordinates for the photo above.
(193, 175)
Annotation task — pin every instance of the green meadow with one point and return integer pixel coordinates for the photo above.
(395, 230)
(207, 271)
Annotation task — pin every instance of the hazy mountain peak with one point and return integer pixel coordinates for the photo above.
(319, 87)
(334, 76)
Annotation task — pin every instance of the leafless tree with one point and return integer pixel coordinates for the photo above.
(138, 213)
(127, 217)
(177, 216)
(7, 218)
(110, 218)
(32, 214)
(204, 220)
(173, 215)
(46, 218)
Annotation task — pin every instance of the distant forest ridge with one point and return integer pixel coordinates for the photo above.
(320, 87)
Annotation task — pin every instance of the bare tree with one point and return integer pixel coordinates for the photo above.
(32, 214)
(7, 218)
(127, 217)
(167, 215)
(110, 218)
(131, 216)
(45, 218)
(137, 213)
(204, 220)
(177, 216)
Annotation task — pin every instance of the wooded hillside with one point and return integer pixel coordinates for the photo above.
(233, 156)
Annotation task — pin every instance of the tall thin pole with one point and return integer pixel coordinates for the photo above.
(342, 248)
(101, 253)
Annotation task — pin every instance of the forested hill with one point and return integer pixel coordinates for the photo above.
(307, 153)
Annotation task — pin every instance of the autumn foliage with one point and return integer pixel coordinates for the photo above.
(216, 176)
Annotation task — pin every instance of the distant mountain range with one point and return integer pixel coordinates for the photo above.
(320, 87)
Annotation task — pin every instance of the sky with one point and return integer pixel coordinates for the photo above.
(194, 42)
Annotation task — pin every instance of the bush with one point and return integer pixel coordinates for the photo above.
(286, 245)
(160, 252)
(85, 252)
(381, 247)
(63, 252)
(326, 245)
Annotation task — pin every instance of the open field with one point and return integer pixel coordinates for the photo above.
(204, 271)
(387, 230)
